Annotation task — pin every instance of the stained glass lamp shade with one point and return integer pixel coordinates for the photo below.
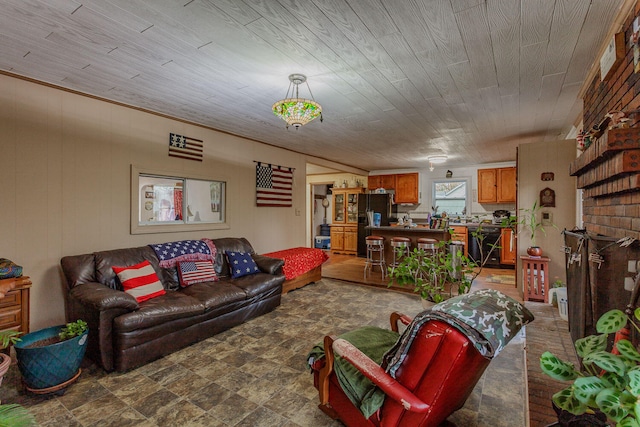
(297, 111)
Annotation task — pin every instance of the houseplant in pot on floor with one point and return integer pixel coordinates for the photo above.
(607, 386)
(49, 359)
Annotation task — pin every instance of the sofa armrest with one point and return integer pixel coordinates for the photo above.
(100, 297)
(98, 305)
(267, 264)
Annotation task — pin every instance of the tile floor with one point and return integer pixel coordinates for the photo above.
(254, 374)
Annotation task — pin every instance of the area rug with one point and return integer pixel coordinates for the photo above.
(502, 279)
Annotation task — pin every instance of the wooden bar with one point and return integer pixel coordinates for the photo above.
(413, 233)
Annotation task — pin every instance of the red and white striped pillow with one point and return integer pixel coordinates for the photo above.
(140, 281)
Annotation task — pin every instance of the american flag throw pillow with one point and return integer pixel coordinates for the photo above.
(196, 272)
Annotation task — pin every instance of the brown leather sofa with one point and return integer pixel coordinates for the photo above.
(125, 334)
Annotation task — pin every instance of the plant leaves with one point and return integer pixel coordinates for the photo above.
(611, 321)
(586, 389)
(556, 368)
(607, 361)
(565, 399)
(590, 344)
(15, 415)
(609, 402)
(627, 349)
(628, 422)
(634, 381)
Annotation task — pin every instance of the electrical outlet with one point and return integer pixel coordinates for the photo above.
(297, 212)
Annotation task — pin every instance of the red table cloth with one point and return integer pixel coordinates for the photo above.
(298, 261)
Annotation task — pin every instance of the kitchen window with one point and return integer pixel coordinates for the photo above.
(451, 196)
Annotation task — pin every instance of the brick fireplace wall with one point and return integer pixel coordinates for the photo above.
(610, 175)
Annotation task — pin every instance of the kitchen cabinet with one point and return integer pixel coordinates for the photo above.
(344, 226)
(497, 185)
(459, 233)
(388, 182)
(508, 247)
(407, 188)
(405, 185)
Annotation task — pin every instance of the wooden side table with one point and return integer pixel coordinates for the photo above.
(14, 306)
(535, 278)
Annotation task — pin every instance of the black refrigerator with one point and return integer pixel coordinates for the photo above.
(378, 203)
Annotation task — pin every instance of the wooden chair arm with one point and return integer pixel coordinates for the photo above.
(326, 370)
(378, 376)
(395, 317)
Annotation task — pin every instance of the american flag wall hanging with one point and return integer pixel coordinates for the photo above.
(274, 185)
(185, 147)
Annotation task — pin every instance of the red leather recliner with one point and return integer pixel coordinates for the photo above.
(435, 379)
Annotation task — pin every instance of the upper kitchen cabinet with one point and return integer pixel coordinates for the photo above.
(407, 188)
(405, 185)
(497, 185)
(388, 182)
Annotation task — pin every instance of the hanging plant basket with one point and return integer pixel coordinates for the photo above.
(49, 367)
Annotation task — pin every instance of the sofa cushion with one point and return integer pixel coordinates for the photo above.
(166, 308)
(232, 244)
(259, 283)
(215, 295)
(241, 264)
(140, 280)
(196, 272)
(104, 260)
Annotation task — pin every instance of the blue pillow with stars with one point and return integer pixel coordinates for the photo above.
(241, 264)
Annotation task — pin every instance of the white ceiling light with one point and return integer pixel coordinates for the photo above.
(437, 159)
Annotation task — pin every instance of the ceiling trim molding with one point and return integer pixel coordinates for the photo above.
(166, 116)
(625, 10)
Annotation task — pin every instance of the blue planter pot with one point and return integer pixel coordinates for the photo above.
(51, 365)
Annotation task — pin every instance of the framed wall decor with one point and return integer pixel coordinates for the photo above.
(548, 198)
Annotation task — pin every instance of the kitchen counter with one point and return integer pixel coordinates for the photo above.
(413, 233)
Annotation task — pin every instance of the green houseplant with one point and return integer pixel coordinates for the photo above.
(530, 224)
(434, 276)
(49, 359)
(609, 380)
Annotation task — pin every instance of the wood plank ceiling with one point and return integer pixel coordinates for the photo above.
(398, 80)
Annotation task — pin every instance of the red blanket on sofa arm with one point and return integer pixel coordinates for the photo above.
(298, 261)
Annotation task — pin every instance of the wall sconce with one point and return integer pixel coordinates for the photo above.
(449, 174)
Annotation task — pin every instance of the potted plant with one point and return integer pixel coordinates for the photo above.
(49, 359)
(7, 338)
(529, 223)
(434, 276)
(608, 381)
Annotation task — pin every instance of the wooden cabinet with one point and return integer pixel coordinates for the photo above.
(508, 247)
(344, 227)
(497, 185)
(337, 238)
(506, 185)
(388, 182)
(460, 233)
(407, 188)
(14, 306)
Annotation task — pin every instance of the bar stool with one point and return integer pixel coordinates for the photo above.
(430, 246)
(403, 243)
(375, 255)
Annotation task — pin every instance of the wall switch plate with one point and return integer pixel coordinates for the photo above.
(547, 218)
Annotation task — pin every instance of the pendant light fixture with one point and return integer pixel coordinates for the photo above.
(297, 111)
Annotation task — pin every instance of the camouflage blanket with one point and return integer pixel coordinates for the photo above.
(488, 317)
